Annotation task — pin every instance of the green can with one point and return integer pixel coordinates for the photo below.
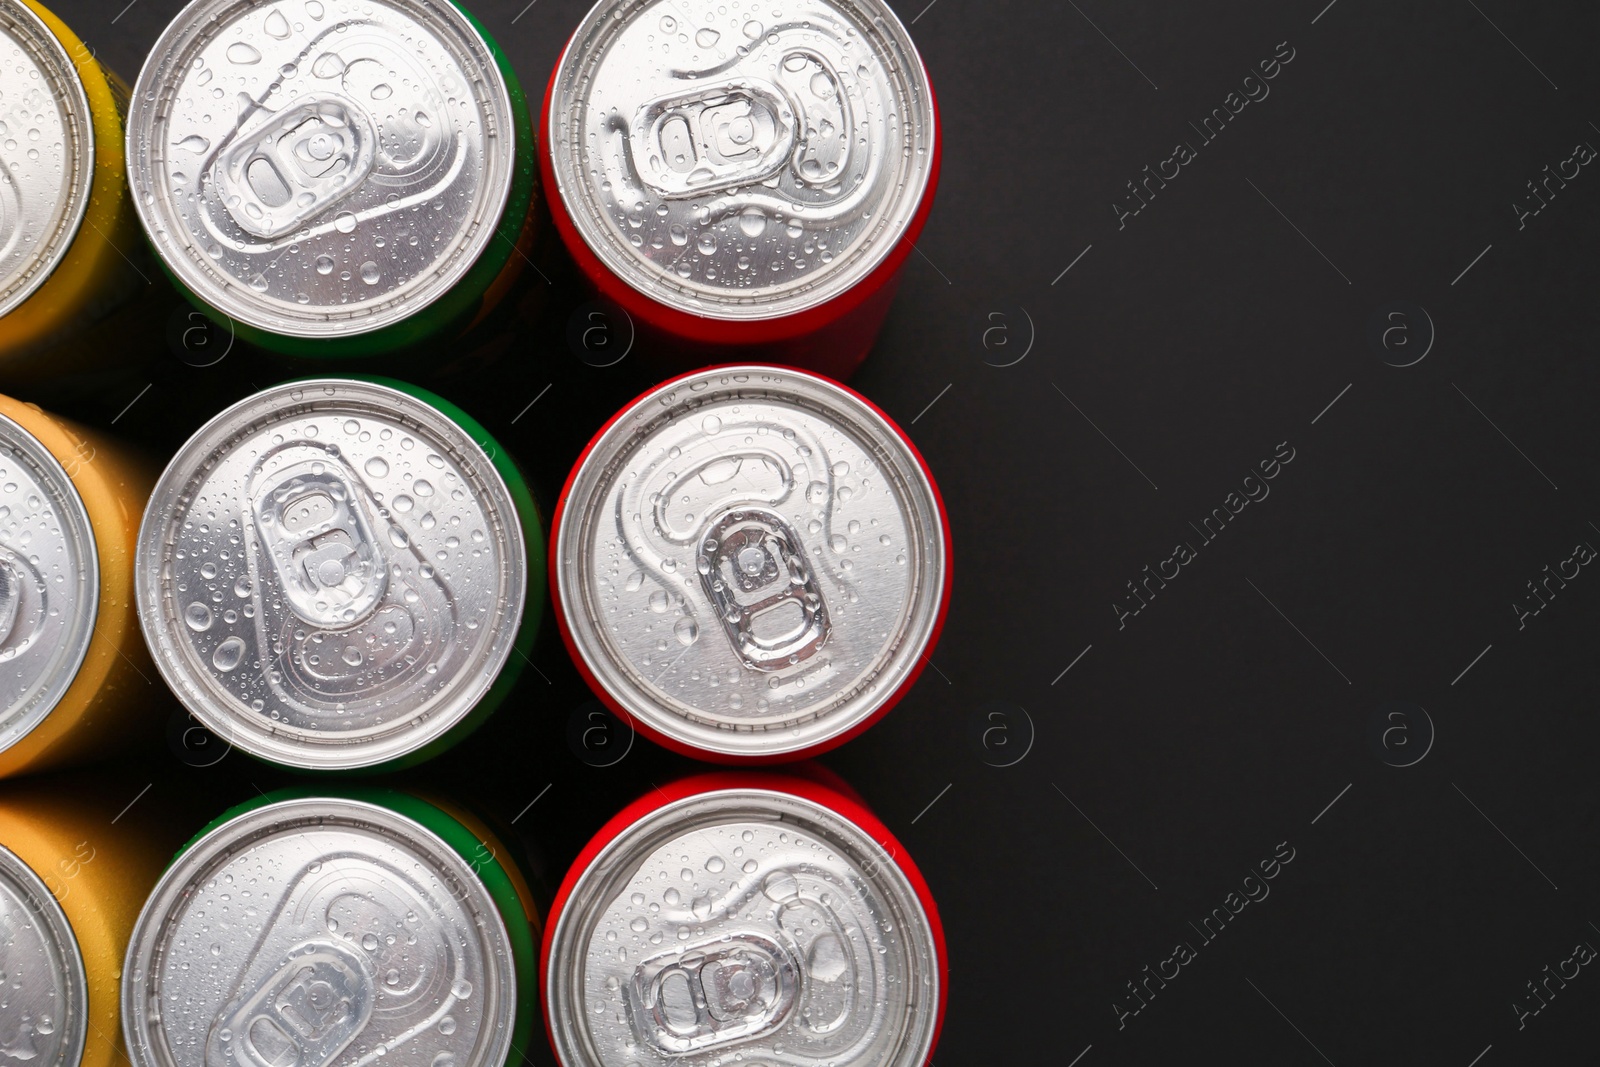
(333, 177)
(304, 924)
(333, 574)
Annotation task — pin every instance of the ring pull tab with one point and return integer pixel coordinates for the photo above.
(320, 545)
(822, 157)
(764, 590)
(302, 1015)
(731, 133)
(716, 993)
(279, 174)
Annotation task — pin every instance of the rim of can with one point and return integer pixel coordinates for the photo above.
(55, 928)
(194, 688)
(231, 297)
(622, 274)
(664, 802)
(46, 49)
(636, 707)
(146, 943)
(78, 537)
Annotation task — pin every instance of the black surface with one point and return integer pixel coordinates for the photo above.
(1185, 743)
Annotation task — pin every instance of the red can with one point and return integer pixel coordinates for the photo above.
(751, 564)
(771, 916)
(739, 189)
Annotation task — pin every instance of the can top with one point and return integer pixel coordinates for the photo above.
(738, 163)
(319, 931)
(48, 153)
(746, 920)
(321, 168)
(49, 582)
(331, 574)
(751, 561)
(46, 989)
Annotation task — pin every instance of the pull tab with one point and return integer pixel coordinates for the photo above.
(730, 989)
(294, 165)
(303, 1014)
(824, 155)
(318, 542)
(764, 590)
(731, 133)
(11, 579)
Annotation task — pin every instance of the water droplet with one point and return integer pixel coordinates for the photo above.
(382, 91)
(711, 425)
(377, 466)
(753, 30)
(794, 229)
(821, 85)
(422, 487)
(198, 617)
(838, 544)
(243, 54)
(461, 989)
(194, 143)
(686, 631)
(424, 120)
(635, 582)
(715, 864)
(324, 265)
(403, 504)
(369, 942)
(314, 9)
(669, 24)
(345, 222)
(780, 886)
(370, 273)
(447, 1025)
(707, 38)
(660, 602)
(228, 655)
(707, 244)
(817, 493)
(328, 65)
(276, 26)
(749, 867)
(752, 223)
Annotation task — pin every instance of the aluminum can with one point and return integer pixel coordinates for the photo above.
(333, 576)
(76, 861)
(750, 564)
(77, 680)
(738, 915)
(67, 231)
(333, 177)
(744, 183)
(313, 929)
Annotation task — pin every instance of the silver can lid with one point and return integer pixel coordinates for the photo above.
(44, 994)
(314, 931)
(321, 168)
(331, 574)
(747, 922)
(751, 560)
(49, 582)
(741, 161)
(46, 153)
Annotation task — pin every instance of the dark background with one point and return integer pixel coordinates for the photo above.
(1188, 742)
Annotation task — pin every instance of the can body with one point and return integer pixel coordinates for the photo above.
(69, 865)
(797, 928)
(742, 190)
(750, 564)
(81, 495)
(333, 574)
(372, 192)
(390, 922)
(81, 244)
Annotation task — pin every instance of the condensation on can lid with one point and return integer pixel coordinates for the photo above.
(321, 168)
(751, 561)
(331, 574)
(304, 926)
(47, 990)
(49, 582)
(47, 147)
(743, 920)
(741, 161)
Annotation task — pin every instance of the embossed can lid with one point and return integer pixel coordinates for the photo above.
(46, 990)
(748, 922)
(321, 168)
(49, 582)
(741, 161)
(751, 561)
(314, 931)
(46, 153)
(331, 574)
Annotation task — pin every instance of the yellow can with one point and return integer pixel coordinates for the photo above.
(77, 677)
(77, 859)
(68, 235)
